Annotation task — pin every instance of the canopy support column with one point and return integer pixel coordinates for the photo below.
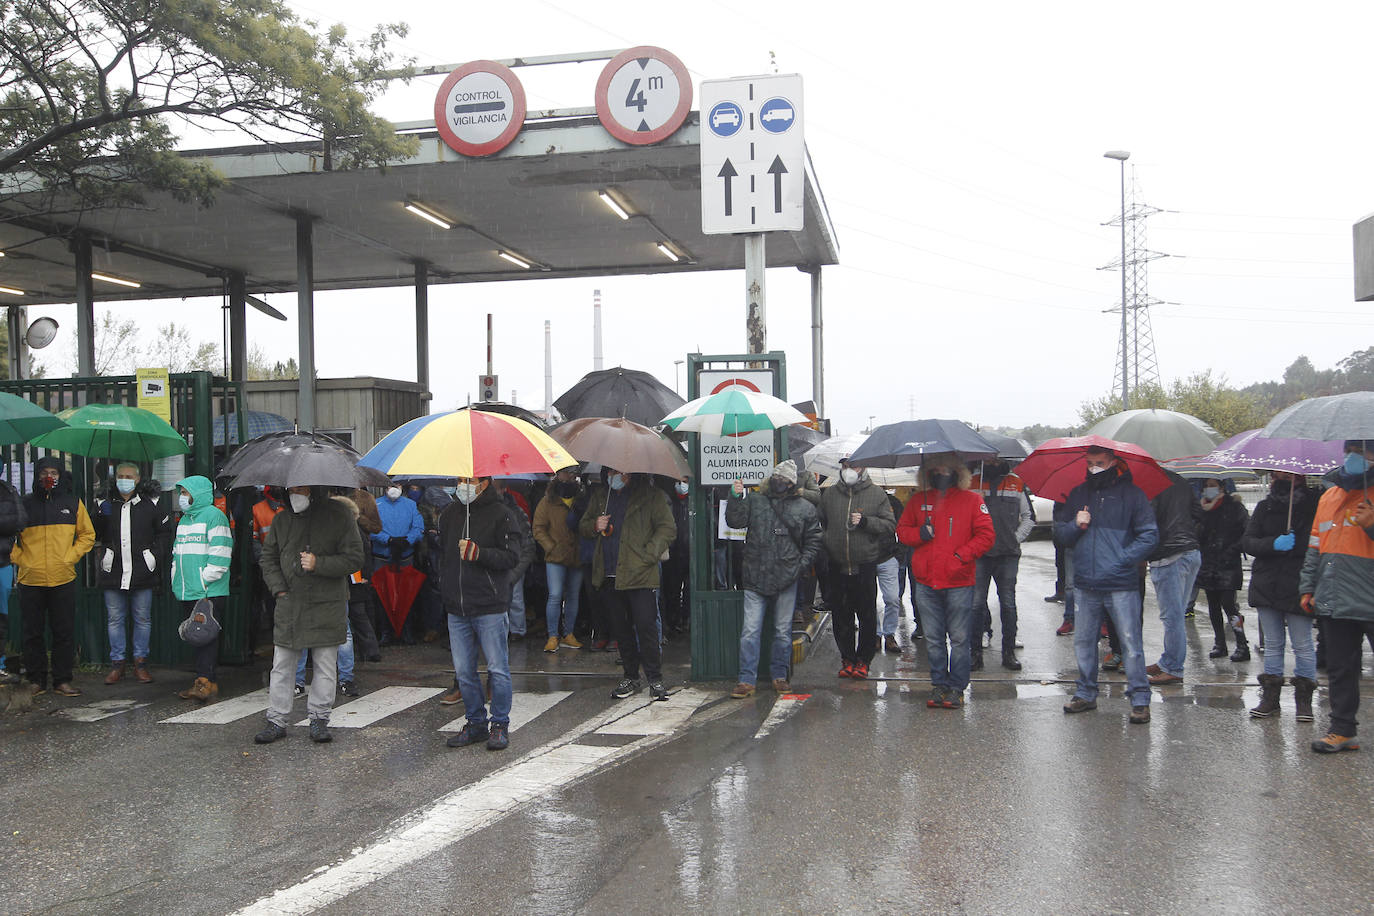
(305, 317)
(422, 324)
(85, 308)
(16, 320)
(755, 287)
(238, 327)
(817, 341)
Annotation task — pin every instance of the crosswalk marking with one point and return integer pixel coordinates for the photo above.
(658, 718)
(525, 708)
(783, 708)
(223, 712)
(377, 705)
(100, 709)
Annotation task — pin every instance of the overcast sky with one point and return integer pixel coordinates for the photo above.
(959, 148)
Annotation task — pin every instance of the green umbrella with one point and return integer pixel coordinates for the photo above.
(21, 419)
(113, 431)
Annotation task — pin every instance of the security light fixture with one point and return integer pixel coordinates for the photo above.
(1120, 155)
(426, 213)
(118, 281)
(514, 259)
(610, 201)
(11, 291)
(666, 251)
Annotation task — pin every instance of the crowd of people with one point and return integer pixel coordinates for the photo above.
(603, 559)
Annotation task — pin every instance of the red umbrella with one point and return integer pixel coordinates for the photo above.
(1059, 465)
(396, 588)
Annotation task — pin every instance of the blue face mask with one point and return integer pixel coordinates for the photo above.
(1355, 463)
(617, 481)
(125, 485)
(184, 502)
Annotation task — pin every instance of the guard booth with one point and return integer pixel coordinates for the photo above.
(196, 398)
(718, 608)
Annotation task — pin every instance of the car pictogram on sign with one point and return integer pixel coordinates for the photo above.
(725, 119)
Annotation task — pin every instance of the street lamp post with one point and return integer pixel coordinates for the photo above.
(677, 365)
(1121, 155)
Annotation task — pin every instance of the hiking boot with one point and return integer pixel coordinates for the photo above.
(569, 642)
(116, 673)
(1065, 629)
(1242, 653)
(1270, 685)
(1112, 662)
(203, 689)
(1010, 661)
(348, 688)
(470, 734)
(781, 686)
(65, 689)
(890, 644)
(319, 731)
(551, 644)
(1140, 715)
(1078, 704)
(141, 671)
(937, 698)
(658, 692)
(1334, 742)
(270, 732)
(1218, 651)
(859, 672)
(953, 699)
(742, 691)
(627, 687)
(1164, 679)
(498, 737)
(1303, 688)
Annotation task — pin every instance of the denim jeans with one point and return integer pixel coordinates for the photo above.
(487, 632)
(117, 606)
(565, 590)
(751, 634)
(6, 583)
(1000, 571)
(888, 574)
(1298, 629)
(345, 666)
(1172, 585)
(1123, 606)
(945, 616)
(516, 614)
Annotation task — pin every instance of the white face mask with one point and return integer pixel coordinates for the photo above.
(125, 485)
(681, 488)
(849, 476)
(184, 502)
(1210, 493)
(300, 502)
(1095, 469)
(466, 492)
(393, 493)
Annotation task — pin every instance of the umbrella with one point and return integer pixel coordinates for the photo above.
(1164, 434)
(1059, 465)
(904, 444)
(256, 423)
(314, 464)
(1205, 468)
(396, 588)
(21, 419)
(619, 392)
(624, 445)
(1008, 447)
(467, 443)
(801, 439)
(113, 431)
(1296, 456)
(254, 449)
(825, 458)
(731, 411)
(1334, 418)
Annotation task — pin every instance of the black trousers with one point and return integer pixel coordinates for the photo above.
(1221, 607)
(207, 656)
(853, 602)
(49, 608)
(1344, 659)
(674, 591)
(635, 618)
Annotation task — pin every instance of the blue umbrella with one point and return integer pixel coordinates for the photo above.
(905, 444)
(257, 422)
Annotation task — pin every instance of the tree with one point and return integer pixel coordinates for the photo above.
(1357, 371)
(172, 347)
(258, 367)
(1210, 399)
(90, 90)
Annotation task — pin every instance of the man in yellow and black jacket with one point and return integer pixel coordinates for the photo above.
(58, 534)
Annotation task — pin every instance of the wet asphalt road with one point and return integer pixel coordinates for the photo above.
(862, 798)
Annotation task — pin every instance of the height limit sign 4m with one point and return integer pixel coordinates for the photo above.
(753, 154)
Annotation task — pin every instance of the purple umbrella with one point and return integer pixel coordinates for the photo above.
(1296, 456)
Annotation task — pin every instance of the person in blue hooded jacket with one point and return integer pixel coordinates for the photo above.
(1111, 531)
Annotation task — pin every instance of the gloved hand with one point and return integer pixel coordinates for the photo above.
(1308, 606)
(467, 549)
(927, 531)
(1284, 542)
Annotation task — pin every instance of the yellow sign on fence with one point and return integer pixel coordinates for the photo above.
(155, 392)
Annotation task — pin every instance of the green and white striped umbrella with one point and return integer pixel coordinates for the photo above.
(731, 411)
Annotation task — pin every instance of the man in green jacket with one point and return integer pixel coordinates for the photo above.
(309, 554)
(859, 529)
(632, 523)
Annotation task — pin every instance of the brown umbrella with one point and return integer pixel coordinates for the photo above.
(622, 444)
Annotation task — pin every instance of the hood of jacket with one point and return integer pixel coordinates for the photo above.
(64, 480)
(202, 492)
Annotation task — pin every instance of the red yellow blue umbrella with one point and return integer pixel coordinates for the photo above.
(467, 443)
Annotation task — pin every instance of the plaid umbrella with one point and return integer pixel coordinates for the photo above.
(257, 422)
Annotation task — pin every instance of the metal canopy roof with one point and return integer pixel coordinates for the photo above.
(538, 199)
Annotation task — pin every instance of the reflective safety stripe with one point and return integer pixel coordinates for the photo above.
(1326, 526)
(1314, 541)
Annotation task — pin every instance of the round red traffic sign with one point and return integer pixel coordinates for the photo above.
(643, 95)
(480, 108)
(742, 382)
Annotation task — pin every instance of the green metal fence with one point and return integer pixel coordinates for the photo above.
(194, 399)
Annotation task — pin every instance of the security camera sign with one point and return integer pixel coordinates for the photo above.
(480, 108)
(153, 386)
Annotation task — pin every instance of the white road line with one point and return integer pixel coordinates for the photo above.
(376, 706)
(526, 708)
(784, 707)
(659, 717)
(469, 809)
(100, 709)
(224, 712)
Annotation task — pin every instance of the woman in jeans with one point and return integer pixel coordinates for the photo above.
(1277, 537)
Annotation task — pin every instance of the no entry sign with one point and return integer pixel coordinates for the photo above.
(643, 95)
(480, 108)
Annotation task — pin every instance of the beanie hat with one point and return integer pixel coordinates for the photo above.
(787, 470)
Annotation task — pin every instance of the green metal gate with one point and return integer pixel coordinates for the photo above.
(194, 397)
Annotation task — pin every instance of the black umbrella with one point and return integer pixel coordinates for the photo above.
(305, 465)
(801, 439)
(904, 444)
(254, 449)
(1007, 446)
(619, 392)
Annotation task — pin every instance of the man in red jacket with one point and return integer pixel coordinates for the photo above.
(948, 528)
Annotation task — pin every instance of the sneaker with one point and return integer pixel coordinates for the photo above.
(1112, 662)
(498, 737)
(7, 678)
(627, 687)
(470, 734)
(319, 731)
(847, 670)
(657, 691)
(298, 691)
(1056, 598)
(1334, 742)
(65, 689)
(953, 699)
(859, 671)
(742, 691)
(1102, 634)
(1152, 670)
(600, 645)
(551, 644)
(453, 697)
(1140, 715)
(781, 685)
(570, 642)
(270, 732)
(348, 688)
(1189, 614)
(937, 698)
(1078, 704)
(1065, 629)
